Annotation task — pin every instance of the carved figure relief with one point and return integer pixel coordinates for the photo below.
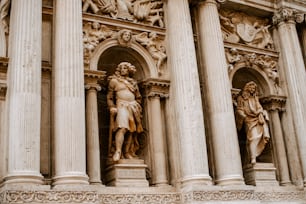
(237, 27)
(251, 116)
(4, 28)
(140, 11)
(265, 63)
(94, 33)
(155, 47)
(124, 102)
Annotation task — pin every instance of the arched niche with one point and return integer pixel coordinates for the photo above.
(106, 57)
(239, 78)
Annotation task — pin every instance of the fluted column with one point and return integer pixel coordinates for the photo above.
(92, 125)
(68, 94)
(156, 89)
(295, 75)
(185, 95)
(24, 92)
(275, 105)
(223, 129)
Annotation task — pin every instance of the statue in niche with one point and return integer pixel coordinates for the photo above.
(250, 114)
(4, 28)
(154, 47)
(124, 102)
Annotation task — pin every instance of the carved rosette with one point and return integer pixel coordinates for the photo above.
(287, 15)
(274, 103)
(148, 12)
(155, 88)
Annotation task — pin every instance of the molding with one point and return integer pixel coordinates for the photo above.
(155, 88)
(273, 103)
(50, 196)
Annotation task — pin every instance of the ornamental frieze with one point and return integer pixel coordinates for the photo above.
(149, 12)
(94, 33)
(238, 27)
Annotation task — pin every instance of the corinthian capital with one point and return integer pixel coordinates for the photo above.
(286, 15)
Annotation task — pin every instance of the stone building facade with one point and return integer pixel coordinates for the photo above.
(193, 60)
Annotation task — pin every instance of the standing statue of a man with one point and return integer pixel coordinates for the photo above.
(124, 102)
(253, 117)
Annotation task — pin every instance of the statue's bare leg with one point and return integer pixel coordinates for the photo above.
(127, 153)
(119, 138)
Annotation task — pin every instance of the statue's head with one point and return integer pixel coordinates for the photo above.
(251, 88)
(125, 69)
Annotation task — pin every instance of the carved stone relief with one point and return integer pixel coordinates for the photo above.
(238, 27)
(149, 12)
(94, 33)
(287, 14)
(266, 63)
(4, 27)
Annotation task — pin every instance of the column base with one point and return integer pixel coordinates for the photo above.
(230, 180)
(197, 180)
(28, 178)
(70, 179)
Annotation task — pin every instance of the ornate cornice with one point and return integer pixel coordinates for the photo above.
(274, 103)
(155, 88)
(287, 15)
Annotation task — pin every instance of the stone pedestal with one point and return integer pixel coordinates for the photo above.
(127, 173)
(260, 174)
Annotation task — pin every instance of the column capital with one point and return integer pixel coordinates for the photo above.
(274, 103)
(155, 88)
(287, 15)
(94, 76)
(208, 1)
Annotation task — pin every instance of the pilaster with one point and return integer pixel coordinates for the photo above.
(224, 138)
(155, 89)
(92, 126)
(275, 105)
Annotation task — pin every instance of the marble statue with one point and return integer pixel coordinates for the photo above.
(253, 117)
(124, 102)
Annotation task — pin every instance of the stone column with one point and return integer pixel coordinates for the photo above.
(24, 92)
(185, 95)
(92, 126)
(275, 105)
(224, 137)
(295, 75)
(156, 89)
(68, 94)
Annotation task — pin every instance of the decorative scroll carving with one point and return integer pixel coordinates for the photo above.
(155, 47)
(265, 63)
(4, 27)
(10, 197)
(287, 14)
(148, 12)
(238, 27)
